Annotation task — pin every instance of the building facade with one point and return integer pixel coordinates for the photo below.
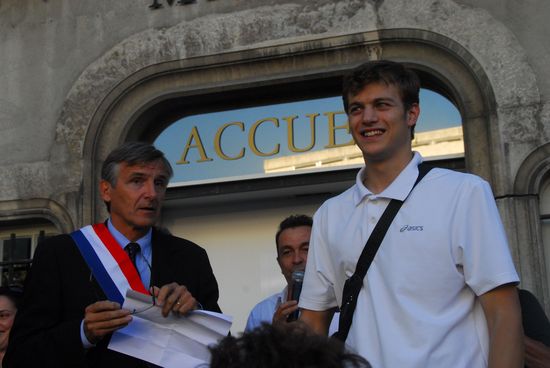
(80, 77)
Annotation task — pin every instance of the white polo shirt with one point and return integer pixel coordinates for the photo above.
(418, 305)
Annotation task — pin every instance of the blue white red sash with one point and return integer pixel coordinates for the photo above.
(110, 265)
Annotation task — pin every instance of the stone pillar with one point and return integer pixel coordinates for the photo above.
(521, 218)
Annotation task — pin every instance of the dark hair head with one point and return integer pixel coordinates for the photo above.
(132, 153)
(289, 345)
(290, 222)
(383, 71)
(14, 294)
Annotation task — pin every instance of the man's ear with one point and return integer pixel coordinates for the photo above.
(105, 190)
(412, 114)
(280, 267)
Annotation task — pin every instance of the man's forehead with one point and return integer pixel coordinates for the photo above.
(304, 231)
(381, 89)
(145, 168)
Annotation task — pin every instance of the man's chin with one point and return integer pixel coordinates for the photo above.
(145, 224)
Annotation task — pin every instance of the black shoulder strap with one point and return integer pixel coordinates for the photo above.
(353, 285)
(381, 228)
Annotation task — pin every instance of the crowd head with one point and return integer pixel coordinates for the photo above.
(289, 345)
(9, 302)
(292, 240)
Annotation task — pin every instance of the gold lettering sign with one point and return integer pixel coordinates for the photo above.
(264, 128)
(332, 127)
(290, 132)
(287, 137)
(194, 137)
(252, 138)
(218, 138)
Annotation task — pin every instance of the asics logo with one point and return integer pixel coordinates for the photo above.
(411, 228)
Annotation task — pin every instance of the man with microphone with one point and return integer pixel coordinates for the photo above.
(292, 241)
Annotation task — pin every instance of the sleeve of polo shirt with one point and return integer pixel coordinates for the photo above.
(483, 250)
(318, 291)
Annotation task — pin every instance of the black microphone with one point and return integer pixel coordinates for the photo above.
(297, 281)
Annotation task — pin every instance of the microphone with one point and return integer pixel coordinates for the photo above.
(296, 289)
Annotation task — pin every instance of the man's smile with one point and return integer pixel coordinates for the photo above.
(372, 132)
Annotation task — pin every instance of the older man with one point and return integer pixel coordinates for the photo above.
(74, 291)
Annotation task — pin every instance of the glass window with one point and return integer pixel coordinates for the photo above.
(18, 240)
(16, 249)
(281, 139)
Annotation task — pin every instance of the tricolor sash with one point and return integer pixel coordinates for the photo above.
(110, 265)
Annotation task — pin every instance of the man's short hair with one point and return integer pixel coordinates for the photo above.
(283, 345)
(13, 293)
(290, 222)
(387, 72)
(132, 153)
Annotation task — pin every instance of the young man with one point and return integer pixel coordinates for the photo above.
(69, 311)
(441, 289)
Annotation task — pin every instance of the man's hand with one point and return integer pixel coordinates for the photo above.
(175, 298)
(103, 318)
(283, 310)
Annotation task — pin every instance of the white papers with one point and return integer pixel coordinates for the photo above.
(174, 341)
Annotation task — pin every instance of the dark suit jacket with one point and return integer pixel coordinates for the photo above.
(46, 332)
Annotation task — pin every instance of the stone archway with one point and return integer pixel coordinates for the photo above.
(443, 64)
(532, 171)
(528, 182)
